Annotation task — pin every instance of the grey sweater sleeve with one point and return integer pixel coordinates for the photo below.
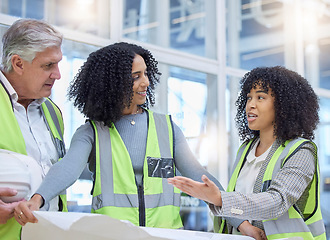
(65, 172)
(189, 166)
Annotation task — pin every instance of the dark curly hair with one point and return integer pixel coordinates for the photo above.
(295, 102)
(103, 87)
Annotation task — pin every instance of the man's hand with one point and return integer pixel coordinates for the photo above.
(247, 229)
(7, 209)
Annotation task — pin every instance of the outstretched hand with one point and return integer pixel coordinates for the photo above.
(206, 191)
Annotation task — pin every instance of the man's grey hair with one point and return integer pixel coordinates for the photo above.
(27, 37)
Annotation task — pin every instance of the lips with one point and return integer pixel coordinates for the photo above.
(251, 116)
(49, 84)
(144, 93)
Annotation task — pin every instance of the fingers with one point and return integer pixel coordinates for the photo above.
(247, 229)
(7, 211)
(8, 192)
(23, 214)
(263, 235)
(177, 183)
(23, 218)
(180, 180)
(206, 180)
(260, 235)
(20, 217)
(184, 184)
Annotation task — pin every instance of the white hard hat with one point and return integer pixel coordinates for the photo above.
(19, 172)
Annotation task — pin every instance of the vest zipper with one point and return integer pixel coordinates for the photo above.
(142, 208)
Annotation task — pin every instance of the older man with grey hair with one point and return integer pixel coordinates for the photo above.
(31, 124)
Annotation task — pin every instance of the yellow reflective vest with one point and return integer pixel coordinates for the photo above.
(11, 138)
(290, 224)
(115, 192)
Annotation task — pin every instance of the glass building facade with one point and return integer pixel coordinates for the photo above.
(203, 47)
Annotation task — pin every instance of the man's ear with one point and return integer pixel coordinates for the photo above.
(17, 64)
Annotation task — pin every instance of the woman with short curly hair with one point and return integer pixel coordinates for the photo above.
(294, 101)
(129, 149)
(275, 182)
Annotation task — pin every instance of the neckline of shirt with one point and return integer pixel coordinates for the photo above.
(252, 154)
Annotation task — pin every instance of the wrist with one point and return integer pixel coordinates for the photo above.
(38, 200)
(218, 199)
(242, 226)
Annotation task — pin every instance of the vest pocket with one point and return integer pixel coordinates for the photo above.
(160, 167)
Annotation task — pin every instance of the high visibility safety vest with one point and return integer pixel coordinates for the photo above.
(306, 223)
(115, 192)
(11, 138)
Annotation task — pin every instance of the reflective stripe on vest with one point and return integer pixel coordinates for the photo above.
(117, 194)
(291, 223)
(54, 122)
(11, 138)
(56, 126)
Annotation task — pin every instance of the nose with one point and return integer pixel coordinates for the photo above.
(56, 74)
(145, 80)
(250, 104)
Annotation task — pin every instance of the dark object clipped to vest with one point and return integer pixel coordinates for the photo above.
(160, 167)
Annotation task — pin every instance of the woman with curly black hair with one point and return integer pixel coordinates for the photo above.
(129, 149)
(294, 101)
(275, 182)
(104, 88)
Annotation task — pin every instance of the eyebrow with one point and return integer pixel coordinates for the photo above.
(261, 91)
(50, 62)
(136, 72)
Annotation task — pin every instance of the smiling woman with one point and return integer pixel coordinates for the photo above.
(140, 86)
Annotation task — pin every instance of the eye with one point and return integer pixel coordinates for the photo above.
(49, 65)
(261, 97)
(135, 77)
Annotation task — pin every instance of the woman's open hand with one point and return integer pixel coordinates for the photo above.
(206, 191)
